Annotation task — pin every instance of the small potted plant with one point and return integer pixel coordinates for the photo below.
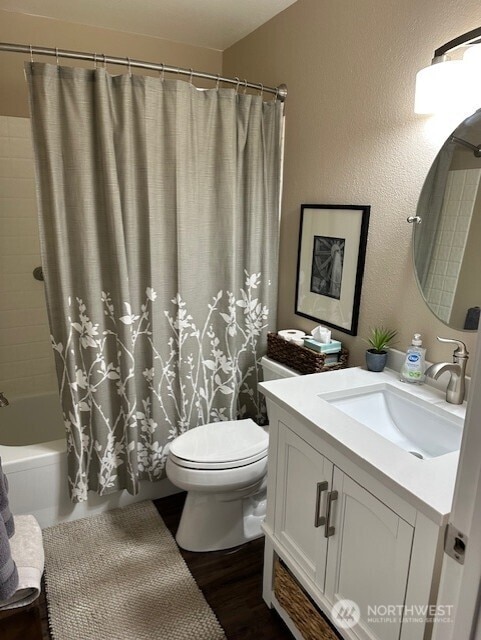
(380, 341)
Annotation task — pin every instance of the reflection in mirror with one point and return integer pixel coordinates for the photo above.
(447, 242)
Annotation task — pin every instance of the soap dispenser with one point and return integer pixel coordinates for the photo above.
(414, 364)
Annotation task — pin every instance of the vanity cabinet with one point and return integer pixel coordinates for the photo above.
(344, 536)
(339, 533)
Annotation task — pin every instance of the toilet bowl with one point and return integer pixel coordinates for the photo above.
(223, 467)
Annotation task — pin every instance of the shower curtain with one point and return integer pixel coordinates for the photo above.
(159, 223)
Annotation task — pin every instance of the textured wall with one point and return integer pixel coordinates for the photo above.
(352, 137)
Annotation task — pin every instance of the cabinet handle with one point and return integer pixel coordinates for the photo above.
(329, 530)
(318, 519)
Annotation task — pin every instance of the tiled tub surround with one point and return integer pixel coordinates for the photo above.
(26, 360)
(456, 214)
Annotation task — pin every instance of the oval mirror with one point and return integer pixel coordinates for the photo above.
(447, 241)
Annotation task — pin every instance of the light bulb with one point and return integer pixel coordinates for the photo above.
(472, 62)
(442, 87)
(472, 55)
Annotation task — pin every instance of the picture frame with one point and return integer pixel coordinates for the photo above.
(330, 264)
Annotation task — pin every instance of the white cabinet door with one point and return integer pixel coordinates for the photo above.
(304, 478)
(368, 557)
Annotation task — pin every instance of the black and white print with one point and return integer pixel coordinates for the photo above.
(327, 263)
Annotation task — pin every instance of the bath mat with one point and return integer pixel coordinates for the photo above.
(119, 575)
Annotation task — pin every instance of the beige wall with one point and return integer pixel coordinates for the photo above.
(25, 29)
(352, 137)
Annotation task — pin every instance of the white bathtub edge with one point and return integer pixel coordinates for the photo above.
(30, 456)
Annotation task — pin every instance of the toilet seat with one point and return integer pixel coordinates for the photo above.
(217, 466)
(220, 445)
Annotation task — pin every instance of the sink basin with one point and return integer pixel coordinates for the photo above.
(425, 430)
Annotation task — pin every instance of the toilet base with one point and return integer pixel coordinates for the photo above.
(211, 522)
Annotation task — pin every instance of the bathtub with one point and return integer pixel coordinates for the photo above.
(33, 455)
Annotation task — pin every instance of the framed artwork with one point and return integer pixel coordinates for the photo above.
(330, 264)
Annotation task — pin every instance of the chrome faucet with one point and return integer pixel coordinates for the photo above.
(457, 368)
(3, 400)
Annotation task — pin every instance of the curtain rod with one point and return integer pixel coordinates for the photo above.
(280, 92)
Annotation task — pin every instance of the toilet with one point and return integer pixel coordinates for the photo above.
(223, 467)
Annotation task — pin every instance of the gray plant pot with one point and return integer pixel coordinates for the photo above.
(376, 361)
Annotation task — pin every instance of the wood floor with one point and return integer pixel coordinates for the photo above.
(230, 580)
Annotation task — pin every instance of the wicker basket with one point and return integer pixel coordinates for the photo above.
(302, 359)
(303, 613)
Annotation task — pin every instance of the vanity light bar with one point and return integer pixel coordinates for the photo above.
(449, 85)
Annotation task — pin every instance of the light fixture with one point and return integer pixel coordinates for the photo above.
(450, 85)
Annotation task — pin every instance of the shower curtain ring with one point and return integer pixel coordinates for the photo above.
(190, 75)
(277, 93)
(95, 60)
(104, 62)
(217, 82)
(237, 84)
(245, 86)
(130, 67)
(262, 89)
(31, 53)
(161, 74)
(56, 55)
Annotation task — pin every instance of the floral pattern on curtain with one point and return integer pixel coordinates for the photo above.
(159, 222)
(213, 373)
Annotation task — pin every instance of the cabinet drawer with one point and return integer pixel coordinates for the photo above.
(303, 613)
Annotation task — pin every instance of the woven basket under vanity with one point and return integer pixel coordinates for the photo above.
(302, 611)
(302, 359)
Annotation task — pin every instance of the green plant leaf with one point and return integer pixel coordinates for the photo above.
(381, 338)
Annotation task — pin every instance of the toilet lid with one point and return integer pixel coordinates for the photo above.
(221, 445)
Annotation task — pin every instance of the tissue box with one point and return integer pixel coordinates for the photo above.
(329, 347)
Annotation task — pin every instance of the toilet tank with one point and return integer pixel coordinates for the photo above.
(275, 370)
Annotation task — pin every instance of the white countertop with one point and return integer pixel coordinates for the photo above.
(428, 485)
